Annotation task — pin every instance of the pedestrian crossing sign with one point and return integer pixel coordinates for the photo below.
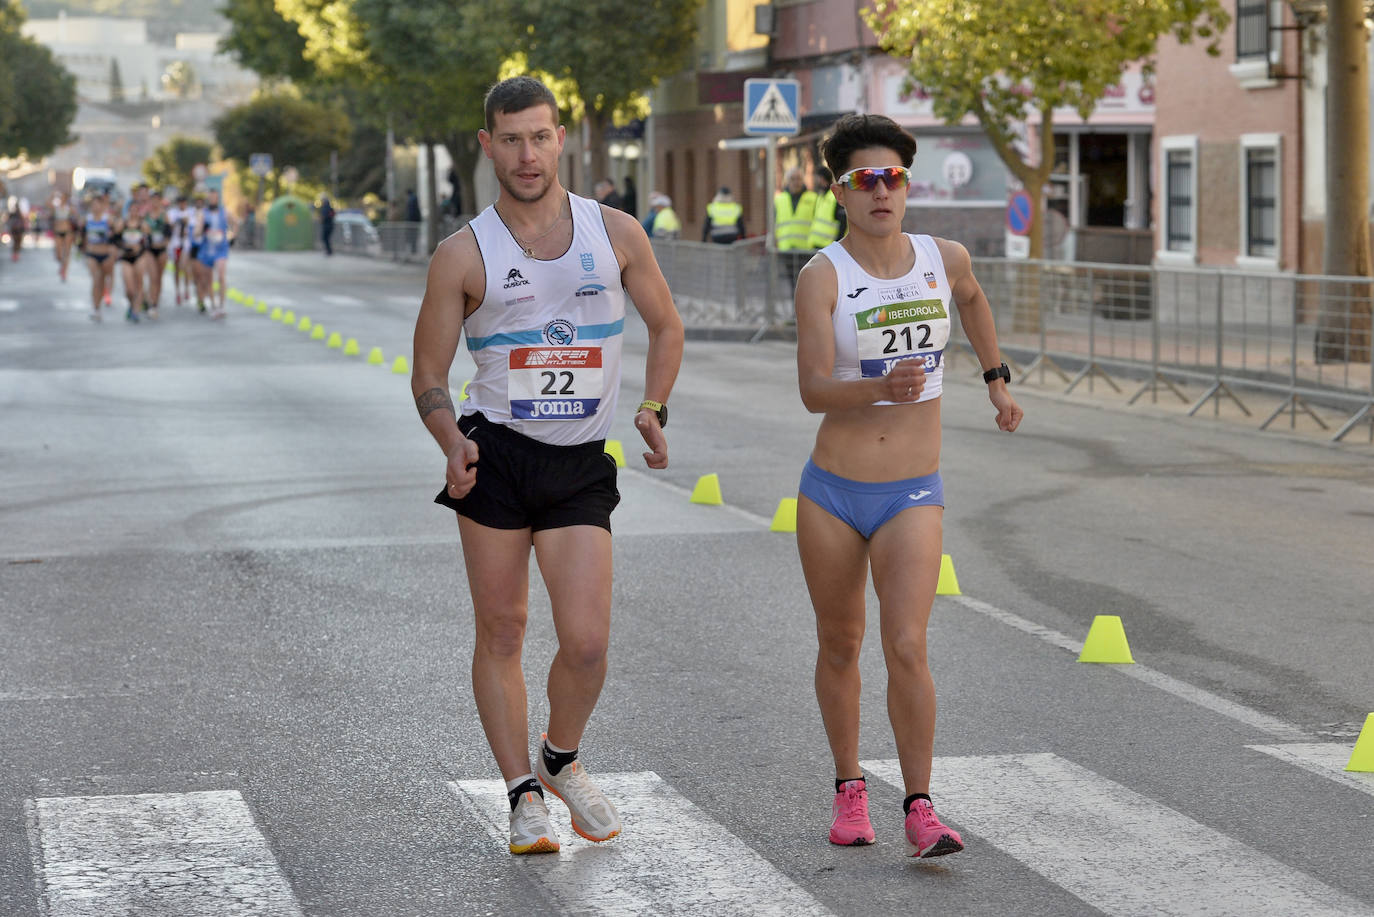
(770, 106)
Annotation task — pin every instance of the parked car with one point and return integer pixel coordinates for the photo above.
(354, 232)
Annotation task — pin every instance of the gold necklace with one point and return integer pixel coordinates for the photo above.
(528, 247)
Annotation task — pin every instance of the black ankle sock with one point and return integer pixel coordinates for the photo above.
(555, 761)
(529, 786)
(910, 800)
(839, 783)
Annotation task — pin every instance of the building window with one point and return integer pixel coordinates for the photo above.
(1252, 29)
(1177, 238)
(1260, 223)
(1179, 182)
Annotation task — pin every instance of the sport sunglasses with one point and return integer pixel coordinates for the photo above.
(866, 179)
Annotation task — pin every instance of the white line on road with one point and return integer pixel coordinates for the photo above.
(1326, 759)
(672, 859)
(339, 299)
(1117, 850)
(156, 853)
(9, 305)
(1181, 689)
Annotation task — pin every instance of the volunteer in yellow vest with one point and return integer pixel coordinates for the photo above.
(793, 208)
(724, 219)
(664, 223)
(828, 223)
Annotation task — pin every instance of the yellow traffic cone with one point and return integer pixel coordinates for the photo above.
(1106, 641)
(335, 340)
(400, 366)
(613, 447)
(707, 490)
(351, 347)
(1362, 758)
(318, 333)
(276, 314)
(785, 519)
(305, 323)
(464, 393)
(948, 583)
(288, 317)
(262, 306)
(374, 357)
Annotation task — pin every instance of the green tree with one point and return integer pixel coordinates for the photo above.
(262, 40)
(180, 79)
(37, 94)
(611, 50)
(297, 132)
(171, 164)
(1000, 61)
(116, 82)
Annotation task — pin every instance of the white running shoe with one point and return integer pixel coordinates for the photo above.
(530, 828)
(593, 816)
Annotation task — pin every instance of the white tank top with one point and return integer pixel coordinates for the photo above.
(547, 335)
(878, 322)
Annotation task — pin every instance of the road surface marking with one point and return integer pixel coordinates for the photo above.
(672, 859)
(1115, 849)
(338, 299)
(155, 853)
(1180, 689)
(1326, 759)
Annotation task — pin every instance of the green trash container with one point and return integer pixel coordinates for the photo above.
(290, 225)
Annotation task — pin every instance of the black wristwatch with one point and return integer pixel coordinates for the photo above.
(660, 411)
(1000, 372)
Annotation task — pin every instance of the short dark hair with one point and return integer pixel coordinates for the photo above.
(860, 132)
(517, 94)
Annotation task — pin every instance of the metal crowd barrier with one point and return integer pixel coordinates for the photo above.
(1305, 338)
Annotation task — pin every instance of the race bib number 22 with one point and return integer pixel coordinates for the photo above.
(554, 383)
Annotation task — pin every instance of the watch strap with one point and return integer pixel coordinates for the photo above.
(997, 372)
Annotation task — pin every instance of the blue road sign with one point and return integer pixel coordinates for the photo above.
(772, 107)
(1019, 213)
(260, 163)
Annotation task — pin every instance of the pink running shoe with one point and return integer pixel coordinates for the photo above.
(851, 827)
(930, 836)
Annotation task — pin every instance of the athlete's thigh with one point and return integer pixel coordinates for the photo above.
(498, 568)
(905, 556)
(575, 561)
(834, 560)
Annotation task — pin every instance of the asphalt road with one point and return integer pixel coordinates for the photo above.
(233, 672)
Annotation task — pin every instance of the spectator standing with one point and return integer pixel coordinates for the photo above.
(724, 219)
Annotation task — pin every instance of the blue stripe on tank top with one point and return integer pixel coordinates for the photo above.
(536, 335)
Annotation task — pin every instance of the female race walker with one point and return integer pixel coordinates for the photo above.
(98, 249)
(63, 230)
(872, 324)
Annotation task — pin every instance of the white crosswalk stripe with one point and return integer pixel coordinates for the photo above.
(9, 305)
(156, 853)
(671, 859)
(1117, 850)
(1327, 759)
(338, 299)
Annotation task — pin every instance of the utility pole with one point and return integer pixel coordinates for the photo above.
(1343, 322)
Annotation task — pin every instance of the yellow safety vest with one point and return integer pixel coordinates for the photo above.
(666, 224)
(791, 228)
(824, 227)
(724, 217)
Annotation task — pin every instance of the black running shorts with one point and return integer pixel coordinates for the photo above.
(523, 483)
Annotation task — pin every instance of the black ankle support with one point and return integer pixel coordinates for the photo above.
(555, 761)
(910, 800)
(529, 786)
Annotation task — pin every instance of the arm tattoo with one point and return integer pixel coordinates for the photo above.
(433, 400)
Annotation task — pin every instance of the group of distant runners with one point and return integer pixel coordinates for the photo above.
(138, 240)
